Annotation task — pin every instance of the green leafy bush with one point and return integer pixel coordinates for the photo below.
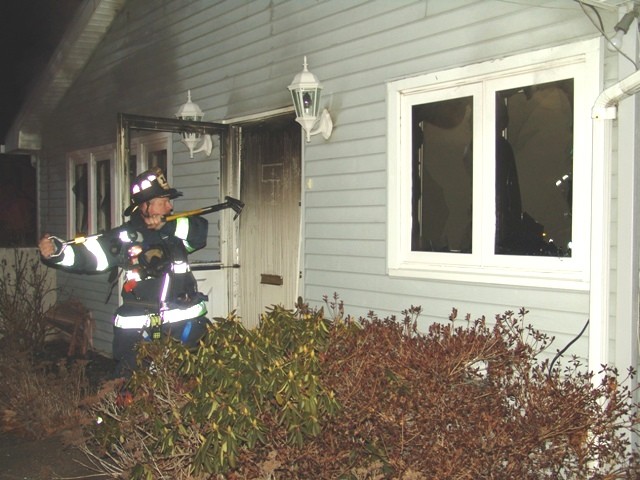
(192, 412)
(303, 397)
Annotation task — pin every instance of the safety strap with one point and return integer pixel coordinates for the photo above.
(169, 316)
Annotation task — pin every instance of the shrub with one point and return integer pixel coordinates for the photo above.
(302, 397)
(470, 401)
(40, 393)
(24, 289)
(191, 413)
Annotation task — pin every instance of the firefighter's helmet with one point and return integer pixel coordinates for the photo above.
(148, 185)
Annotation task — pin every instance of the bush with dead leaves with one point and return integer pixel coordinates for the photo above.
(467, 399)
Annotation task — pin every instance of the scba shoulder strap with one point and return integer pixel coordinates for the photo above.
(124, 237)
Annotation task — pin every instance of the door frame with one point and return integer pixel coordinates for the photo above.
(128, 122)
(230, 134)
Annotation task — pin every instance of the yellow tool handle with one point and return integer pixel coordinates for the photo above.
(230, 202)
(188, 213)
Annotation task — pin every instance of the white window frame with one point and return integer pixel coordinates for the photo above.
(580, 61)
(90, 157)
(143, 145)
(139, 146)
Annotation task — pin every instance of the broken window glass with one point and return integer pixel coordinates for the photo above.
(103, 194)
(81, 199)
(442, 176)
(534, 165)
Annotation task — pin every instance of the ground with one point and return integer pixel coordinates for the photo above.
(52, 457)
(45, 459)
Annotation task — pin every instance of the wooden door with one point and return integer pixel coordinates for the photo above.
(269, 235)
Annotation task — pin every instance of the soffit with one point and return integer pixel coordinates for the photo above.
(610, 4)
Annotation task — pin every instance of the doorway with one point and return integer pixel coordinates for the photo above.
(269, 229)
(198, 175)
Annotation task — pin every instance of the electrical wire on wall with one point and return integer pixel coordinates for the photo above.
(621, 29)
(560, 352)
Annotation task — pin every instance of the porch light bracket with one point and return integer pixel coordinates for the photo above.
(306, 92)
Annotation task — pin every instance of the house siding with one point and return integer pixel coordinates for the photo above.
(237, 58)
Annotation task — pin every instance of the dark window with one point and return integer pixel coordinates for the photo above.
(18, 222)
(534, 165)
(103, 194)
(158, 158)
(533, 135)
(81, 199)
(133, 169)
(442, 176)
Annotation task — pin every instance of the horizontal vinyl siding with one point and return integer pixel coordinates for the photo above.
(198, 179)
(345, 214)
(237, 58)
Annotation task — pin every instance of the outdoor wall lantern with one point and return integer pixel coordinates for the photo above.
(191, 111)
(305, 91)
(621, 28)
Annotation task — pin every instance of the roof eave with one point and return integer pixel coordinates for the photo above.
(84, 34)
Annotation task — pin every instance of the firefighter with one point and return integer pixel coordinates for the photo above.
(160, 294)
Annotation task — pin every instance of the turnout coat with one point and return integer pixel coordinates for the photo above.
(158, 279)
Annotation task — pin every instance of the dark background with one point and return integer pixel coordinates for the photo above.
(30, 33)
(31, 30)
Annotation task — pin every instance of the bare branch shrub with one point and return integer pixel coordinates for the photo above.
(24, 290)
(469, 401)
(40, 393)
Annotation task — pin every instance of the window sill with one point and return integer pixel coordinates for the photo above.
(517, 277)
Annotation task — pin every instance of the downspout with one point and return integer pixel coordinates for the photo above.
(603, 112)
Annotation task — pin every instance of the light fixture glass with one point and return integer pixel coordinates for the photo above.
(615, 42)
(191, 111)
(621, 28)
(306, 91)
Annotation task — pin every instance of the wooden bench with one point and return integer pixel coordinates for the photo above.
(75, 322)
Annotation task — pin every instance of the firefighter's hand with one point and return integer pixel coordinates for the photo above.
(46, 246)
(154, 222)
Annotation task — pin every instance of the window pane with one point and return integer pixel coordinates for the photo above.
(81, 199)
(534, 164)
(103, 194)
(158, 158)
(133, 169)
(18, 198)
(442, 174)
